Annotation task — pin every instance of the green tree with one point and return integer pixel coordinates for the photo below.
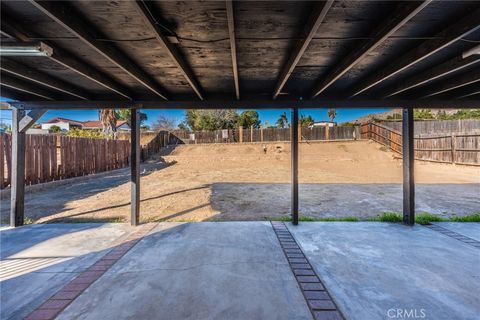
(75, 132)
(306, 121)
(248, 119)
(55, 129)
(125, 114)
(211, 119)
(423, 114)
(183, 126)
(282, 121)
(332, 113)
(5, 128)
(108, 117)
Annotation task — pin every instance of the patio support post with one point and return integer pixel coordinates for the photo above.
(408, 167)
(18, 171)
(294, 147)
(135, 166)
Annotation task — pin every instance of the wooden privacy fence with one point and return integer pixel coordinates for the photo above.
(438, 126)
(54, 157)
(161, 140)
(241, 135)
(458, 148)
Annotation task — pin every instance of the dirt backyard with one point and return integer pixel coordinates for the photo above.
(251, 182)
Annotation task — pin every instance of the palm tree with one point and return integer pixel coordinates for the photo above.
(332, 113)
(306, 121)
(282, 122)
(108, 117)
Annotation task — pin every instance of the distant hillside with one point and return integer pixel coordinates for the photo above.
(427, 114)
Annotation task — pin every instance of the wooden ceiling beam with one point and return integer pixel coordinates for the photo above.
(316, 18)
(43, 79)
(404, 13)
(463, 80)
(445, 38)
(147, 13)
(251, 104)
(233, 46)
(25, 87)
(434, 73)
(64, 14)
(66, 59)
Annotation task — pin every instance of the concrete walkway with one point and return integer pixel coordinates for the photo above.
(237, 270)
(382, 270)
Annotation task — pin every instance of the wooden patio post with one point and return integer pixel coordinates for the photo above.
(135, 167)
(408, 167)
(294, 147)
(17, 196)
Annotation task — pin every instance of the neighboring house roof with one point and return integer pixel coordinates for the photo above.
(90, 124)
(59, 119)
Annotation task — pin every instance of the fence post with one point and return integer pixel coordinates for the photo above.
(17, 192)
(240, 134)
(294, 147)
(261, 134)
(408, 164)
(453, 144)
(135, 167)
(251, 133)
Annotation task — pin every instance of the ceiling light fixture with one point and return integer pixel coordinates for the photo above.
(25, 49)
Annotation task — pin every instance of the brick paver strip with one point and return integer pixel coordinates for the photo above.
(474, 243)
(61, 299)
(318, 300)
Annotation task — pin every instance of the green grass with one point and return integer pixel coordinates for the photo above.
(469, 218)
(312, 219)
(388, 217)
(426, 218)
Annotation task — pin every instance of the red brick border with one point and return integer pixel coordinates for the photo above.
(319, 301)
(60, 300)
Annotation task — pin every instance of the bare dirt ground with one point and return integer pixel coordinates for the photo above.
(251, 182)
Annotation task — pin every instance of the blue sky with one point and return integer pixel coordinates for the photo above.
(270, 115)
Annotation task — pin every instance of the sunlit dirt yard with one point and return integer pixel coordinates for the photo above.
(251, 182)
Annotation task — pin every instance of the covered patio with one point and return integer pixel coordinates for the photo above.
(240, 270)
(248, 55)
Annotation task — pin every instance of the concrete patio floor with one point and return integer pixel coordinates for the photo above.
(375, 269)
(237, 270)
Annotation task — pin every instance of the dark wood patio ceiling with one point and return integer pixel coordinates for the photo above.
(217, 53)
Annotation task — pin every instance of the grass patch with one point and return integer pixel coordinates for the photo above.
(388, 217)
(312, 219)
(426, 218)
(469, 218)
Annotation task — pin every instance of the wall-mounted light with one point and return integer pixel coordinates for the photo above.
(472, 51)
(25, 49)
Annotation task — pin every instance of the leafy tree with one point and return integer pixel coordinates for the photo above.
(282, 121)
(211, 119)
(248, 119)
(5, 128)
(75, 132)
(183, 126)
(306, 121)
(332, 113)
(145, 127)
(423, 114)
(163, 123)
(55, 129)
(125, 114)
